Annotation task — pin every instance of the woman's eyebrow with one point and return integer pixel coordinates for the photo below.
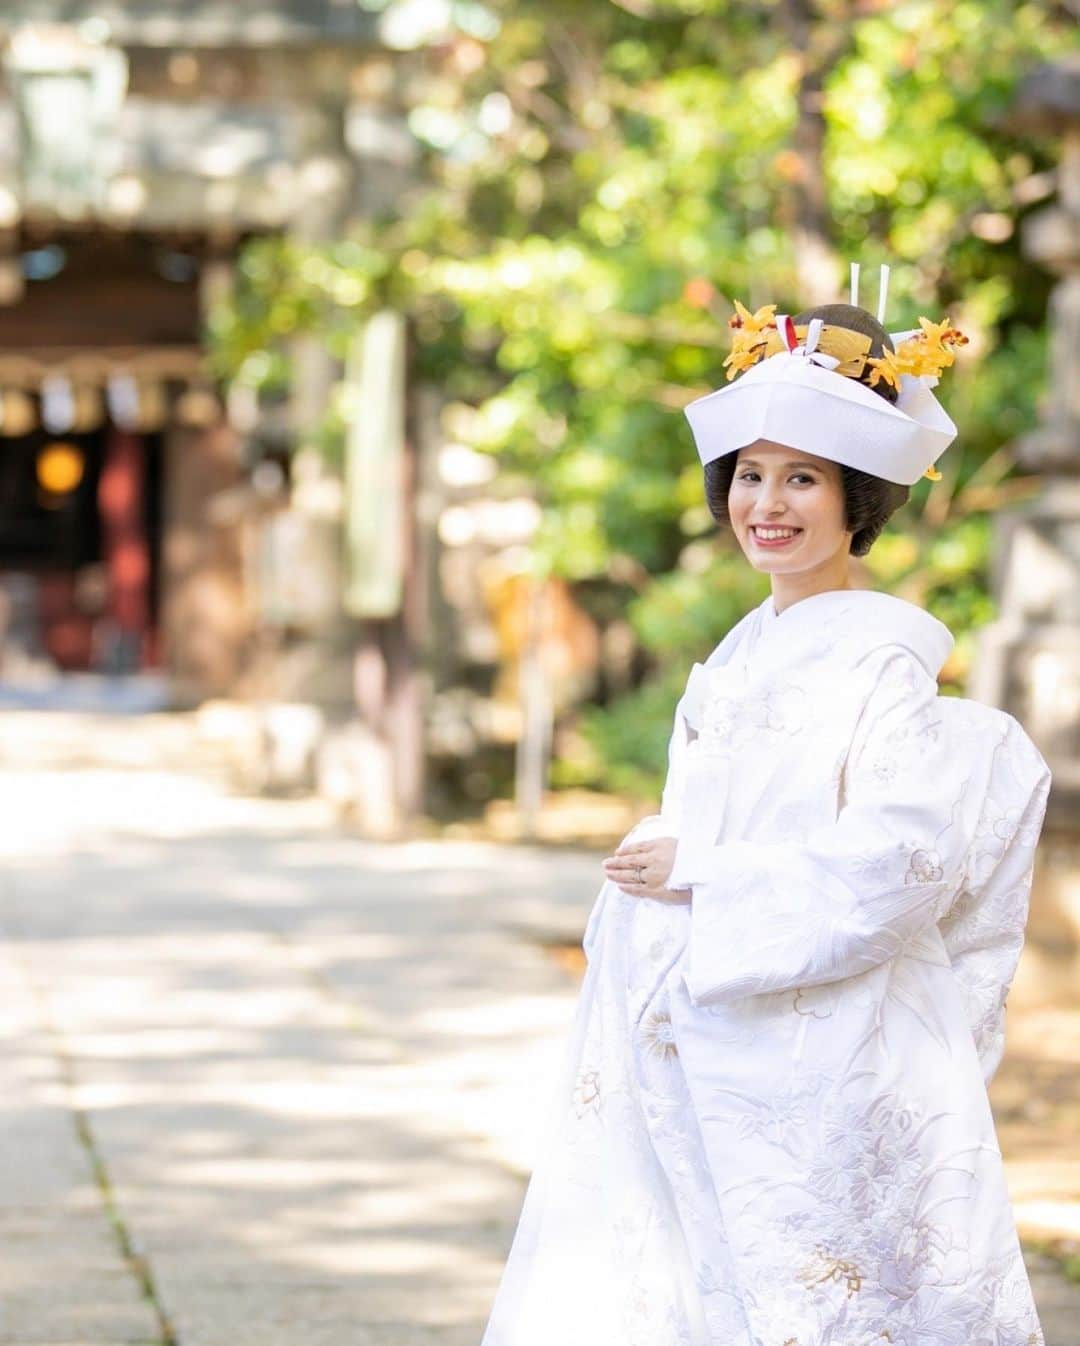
(753, 462)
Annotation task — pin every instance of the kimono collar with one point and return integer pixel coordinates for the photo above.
(838, 629)
(850, 624)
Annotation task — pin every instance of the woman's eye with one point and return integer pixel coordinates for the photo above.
(799, 478)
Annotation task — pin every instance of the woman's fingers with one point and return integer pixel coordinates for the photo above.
(637, 854)
(623, 878)
(626, 861)
(634, 847)
(628, 867)
(628, 858)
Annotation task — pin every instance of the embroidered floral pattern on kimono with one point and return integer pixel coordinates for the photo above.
(773, 1127)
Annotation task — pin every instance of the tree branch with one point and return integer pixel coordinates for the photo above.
(640, 9)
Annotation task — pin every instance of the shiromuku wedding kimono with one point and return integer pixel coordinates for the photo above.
(773, 1128)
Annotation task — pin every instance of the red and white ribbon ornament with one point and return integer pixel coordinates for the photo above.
(785, 325)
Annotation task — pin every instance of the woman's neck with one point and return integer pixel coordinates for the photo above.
(831, 574)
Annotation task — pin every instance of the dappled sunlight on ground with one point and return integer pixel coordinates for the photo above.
(312, 1068)
(1036, 1098)
(312, 1071)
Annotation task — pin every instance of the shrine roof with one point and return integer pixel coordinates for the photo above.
(207, 23)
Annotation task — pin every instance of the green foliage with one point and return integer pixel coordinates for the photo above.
(602, 178)
(679, 617)
(687, 611)
(625, 744)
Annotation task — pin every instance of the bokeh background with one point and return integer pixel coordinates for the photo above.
(343, 352)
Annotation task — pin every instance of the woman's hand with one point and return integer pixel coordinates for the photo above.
(641, 868)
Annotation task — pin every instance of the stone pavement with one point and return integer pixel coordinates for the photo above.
(263, 1084)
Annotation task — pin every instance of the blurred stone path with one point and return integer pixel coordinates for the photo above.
(264, 1084)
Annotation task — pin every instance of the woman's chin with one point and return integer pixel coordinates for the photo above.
(774, 564)
(775, 569)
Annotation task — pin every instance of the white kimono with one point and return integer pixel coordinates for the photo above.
(773, 1128)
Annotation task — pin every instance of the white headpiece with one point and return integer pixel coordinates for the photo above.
(799, 394)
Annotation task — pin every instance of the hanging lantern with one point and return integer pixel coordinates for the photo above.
(198, 407)
(153, 406)
(67, 406)
(122, 399)
(88, 412)
(136, 404)
(60, 467)
(17, 413)
(57, 404)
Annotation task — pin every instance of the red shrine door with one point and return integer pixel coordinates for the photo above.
(82, 562)
(124, 642)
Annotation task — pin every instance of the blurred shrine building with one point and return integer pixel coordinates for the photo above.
(196, 538)
(140, 146)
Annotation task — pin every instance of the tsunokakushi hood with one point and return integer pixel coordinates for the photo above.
(819, 387)
(790, 400)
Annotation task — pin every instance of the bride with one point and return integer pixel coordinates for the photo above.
(773, 1127)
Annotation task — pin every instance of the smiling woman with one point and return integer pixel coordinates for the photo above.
(798, 515)
(773, 1126)
(868, 500)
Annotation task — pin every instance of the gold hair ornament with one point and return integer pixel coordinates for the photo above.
(755, 336)
(927, 352)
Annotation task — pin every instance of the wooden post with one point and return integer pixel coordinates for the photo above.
(537, 714)
(389, 678)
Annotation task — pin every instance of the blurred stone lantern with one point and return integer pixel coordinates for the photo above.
(68, 89)
(1030, 658)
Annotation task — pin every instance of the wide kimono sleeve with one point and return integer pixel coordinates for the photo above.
(667, 822)
(671, 800)
(776, 915)
(663, 824)
(983, 932)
